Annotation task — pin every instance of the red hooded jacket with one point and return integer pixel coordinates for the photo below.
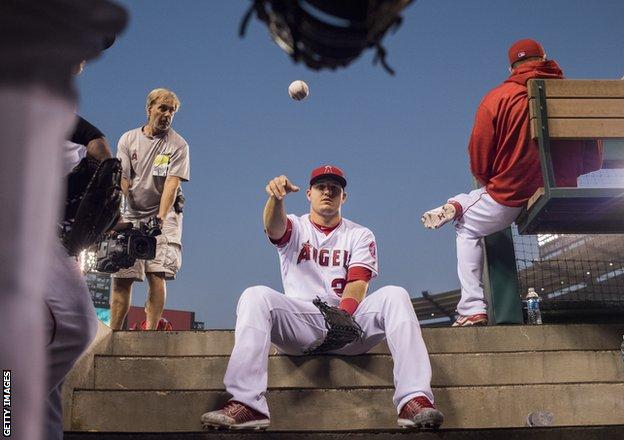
(505, 159)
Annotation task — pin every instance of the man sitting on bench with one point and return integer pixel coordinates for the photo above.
(505, 161)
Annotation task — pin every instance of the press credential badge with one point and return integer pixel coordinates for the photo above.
(161, 165)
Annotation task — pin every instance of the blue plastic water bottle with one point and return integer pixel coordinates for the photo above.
(534, 314)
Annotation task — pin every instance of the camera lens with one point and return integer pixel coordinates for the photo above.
(142, 247)
(139, 247)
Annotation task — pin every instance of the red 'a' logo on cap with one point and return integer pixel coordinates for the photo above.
(328, 170)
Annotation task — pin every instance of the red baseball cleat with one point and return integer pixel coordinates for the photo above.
(420, 413)
(235, 415)
(138, 326)
(163, 325)
(467, 321)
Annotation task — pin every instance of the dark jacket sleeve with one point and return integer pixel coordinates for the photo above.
(85, 132)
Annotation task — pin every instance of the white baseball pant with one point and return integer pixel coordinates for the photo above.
(265, 316)
(35, 123)
(71, 325)
(481, 216)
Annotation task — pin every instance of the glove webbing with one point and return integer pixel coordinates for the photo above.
(338, 335)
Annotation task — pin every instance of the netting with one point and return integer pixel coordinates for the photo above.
(575, 271)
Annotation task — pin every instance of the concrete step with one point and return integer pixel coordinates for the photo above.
(206, 372)
(550, 433)
(438, 340)
(352, 408)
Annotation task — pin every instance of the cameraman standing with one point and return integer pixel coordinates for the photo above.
(155, 159)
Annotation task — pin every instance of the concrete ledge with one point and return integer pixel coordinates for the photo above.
(207, 372)
(82, 374)
(550, 433)
(348, 409)
(438, 340)
(176, 343)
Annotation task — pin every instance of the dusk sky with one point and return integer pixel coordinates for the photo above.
(401, 140)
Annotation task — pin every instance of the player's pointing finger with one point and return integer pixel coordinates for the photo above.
(292, 188)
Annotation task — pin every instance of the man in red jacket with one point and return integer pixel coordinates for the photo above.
(505, 161)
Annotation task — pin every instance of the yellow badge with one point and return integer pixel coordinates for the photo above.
(161, 164)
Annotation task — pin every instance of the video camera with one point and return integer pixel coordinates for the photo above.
(121, 248)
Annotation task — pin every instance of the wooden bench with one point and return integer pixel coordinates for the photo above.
(575, 109)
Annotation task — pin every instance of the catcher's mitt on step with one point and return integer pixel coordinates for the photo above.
(341, 329)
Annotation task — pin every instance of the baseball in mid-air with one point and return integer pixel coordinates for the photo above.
(298, 90)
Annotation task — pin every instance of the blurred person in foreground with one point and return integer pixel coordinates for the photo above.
(40, 45)
(71, 323)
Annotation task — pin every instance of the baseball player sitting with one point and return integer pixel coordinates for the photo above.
(505, 160)
(326, 263)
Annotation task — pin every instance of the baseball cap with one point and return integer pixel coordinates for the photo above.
(328, 171)
(526, 48)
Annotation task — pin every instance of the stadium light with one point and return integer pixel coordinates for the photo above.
(87, 261)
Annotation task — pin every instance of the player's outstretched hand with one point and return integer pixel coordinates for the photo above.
(279, 187)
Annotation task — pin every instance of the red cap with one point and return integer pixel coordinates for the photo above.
(330, 171)
(524, 49)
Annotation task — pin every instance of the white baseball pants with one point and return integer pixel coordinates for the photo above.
(481, 216)
(35, 123)
(71, 325)
(265, 316)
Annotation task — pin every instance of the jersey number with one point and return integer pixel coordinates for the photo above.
(338, 285)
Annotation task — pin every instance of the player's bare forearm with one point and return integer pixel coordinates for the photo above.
(125, 185)
(356, 289)
(274, 218)
(172, 183)
(99, 149)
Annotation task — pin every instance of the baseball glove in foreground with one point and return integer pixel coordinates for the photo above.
(341, 329)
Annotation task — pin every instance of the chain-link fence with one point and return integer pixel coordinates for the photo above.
(582, 273)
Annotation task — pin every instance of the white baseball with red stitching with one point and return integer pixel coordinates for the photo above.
(298, 90)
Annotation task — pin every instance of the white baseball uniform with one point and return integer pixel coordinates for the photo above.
(315, 263)
(70, 320)
(481, 216)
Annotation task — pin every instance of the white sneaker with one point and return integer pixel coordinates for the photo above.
(438, 217)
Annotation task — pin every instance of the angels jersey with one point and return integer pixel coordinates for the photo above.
(315, 264)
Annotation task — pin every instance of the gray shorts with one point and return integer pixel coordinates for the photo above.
(168, 261)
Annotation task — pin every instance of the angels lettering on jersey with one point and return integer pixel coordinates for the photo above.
(316, 262)
(323, 257)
